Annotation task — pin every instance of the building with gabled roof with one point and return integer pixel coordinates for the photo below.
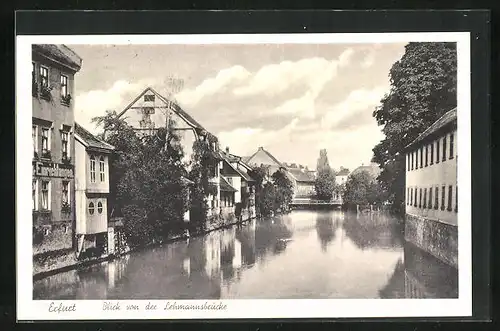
(150, 111)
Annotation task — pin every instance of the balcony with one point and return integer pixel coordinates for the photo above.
(42, 217)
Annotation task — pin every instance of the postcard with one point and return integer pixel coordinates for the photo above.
(243, 176)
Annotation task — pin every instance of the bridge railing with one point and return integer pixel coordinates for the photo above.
(306, 201)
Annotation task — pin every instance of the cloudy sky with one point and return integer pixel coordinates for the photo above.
(292, 99)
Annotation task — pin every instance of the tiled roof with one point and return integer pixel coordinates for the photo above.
(61, 53)
(343, 172)
(373, 169)
(233, 158)
(268, 154)
(448, 118)
(91, 140)
(174, 106)
(225, 186)
(300, 176)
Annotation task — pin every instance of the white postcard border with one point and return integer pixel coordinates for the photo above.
(29, 309)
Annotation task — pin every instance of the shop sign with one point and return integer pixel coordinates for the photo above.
(57, 170)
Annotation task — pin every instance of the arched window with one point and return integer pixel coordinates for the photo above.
(99, 207)
(101, 168)
(91, 208)
(92, 168)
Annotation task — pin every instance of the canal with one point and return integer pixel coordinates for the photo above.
(304, 254)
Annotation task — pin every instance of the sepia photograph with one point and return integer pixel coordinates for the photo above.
(190, 171)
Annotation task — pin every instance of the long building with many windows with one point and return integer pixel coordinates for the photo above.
(431, 189)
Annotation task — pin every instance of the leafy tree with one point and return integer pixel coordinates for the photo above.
(324, 184)
(284, 189)
(204, 163)
(259, 175)
(146, 181)
(268, 202)
(423, 88)
(362, 188)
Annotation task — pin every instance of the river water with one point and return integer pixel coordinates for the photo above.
(304, 254)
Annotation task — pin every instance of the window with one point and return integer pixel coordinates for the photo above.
(91, 208)
(34, 193)
(430, 198)
(432, 154)
(456, 199)
(437, 150)
(92, 169)
(415, 201)
(407, 162)
(421, 157)
(426, 155)
(44, 76)
(65, 193)
(407, 196)
(34, 135)
(425, 198)
(420, 198)
(65, 143)
(411, 196)
(45, 195)
(64, 86)
(416, 159)
(99, 207)
(444, 148)
(412, 159)
(436, 198)
(450, 197)
(34, 89)
(452, 152)
(45, 140)
(101, 169)
(443, 196)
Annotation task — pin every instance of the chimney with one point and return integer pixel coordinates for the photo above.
(261, 148)
(227, 150)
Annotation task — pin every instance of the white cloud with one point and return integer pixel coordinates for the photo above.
(356, 101)
(369, 60)
(211, 86)
(95, 102)
(275, 78)
(244, 141)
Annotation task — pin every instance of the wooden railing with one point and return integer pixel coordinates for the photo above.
(305, 201)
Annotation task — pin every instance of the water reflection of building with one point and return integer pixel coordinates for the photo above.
(420, 275)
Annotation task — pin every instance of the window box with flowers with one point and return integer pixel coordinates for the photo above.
(66, 160)
(46, 93)
(42, 216)
(35, 155)
(65, 208)
(66, 99)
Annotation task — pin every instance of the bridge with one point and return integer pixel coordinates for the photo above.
(311, 203)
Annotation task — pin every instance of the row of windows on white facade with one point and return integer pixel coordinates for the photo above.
(429, 198)
(45, 137)
(93, 162)
(44, 188)
(425, 155)
(43, 77)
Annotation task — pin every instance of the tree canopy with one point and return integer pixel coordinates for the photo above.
(423, 87)
(362, 188)
(146, 182)
(324, 185)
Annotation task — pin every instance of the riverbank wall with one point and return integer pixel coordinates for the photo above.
(50, 263)
(435, 237)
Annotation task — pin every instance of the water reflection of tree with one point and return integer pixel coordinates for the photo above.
(375, 230)
(271, 235)
(325, 228)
